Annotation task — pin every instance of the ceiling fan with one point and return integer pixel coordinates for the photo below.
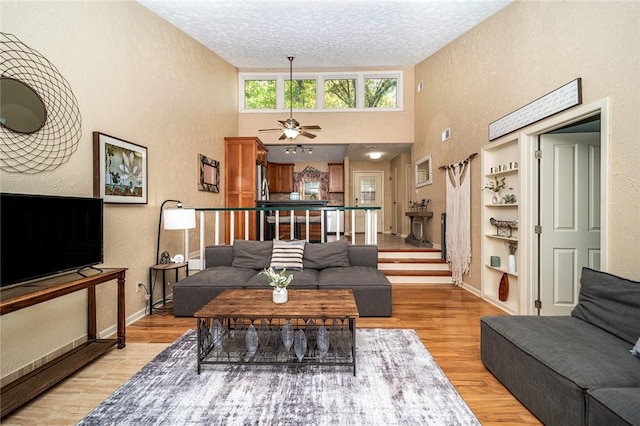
(291, 129)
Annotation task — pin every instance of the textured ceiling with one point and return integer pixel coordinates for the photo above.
(260, 34)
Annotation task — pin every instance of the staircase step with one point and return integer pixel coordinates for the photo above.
(414, 266)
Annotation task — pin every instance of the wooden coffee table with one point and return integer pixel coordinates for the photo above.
(316, 327)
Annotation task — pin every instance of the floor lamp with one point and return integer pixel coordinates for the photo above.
(178, 218)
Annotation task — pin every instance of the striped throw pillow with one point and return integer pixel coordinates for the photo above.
(287, 254)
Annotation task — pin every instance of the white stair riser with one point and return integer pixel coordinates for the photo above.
(419, 280)
(409, 255)
(413, 266)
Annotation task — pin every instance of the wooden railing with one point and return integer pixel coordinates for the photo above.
(369, 216)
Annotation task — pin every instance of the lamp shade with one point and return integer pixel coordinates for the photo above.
(179, 219)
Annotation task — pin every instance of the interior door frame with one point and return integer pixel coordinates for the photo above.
(529, 196)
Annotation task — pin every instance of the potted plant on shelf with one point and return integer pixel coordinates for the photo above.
(496, 185)
(279, 281)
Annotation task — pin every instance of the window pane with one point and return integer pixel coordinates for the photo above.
(260, 94)
(340, 93)
(367, 190)
(304, 94)
(380, 92)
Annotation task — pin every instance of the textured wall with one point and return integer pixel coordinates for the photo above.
(523, 52)
(139, 79)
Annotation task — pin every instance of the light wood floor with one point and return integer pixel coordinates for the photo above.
(445, 317)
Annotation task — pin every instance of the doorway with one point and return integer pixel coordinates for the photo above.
(569, 217)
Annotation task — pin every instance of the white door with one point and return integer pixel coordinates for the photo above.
(368, 191)
(569, 196)
(394, 201)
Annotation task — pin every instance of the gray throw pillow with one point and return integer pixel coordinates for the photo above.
(326, 255)
(610, 303)
(251, 254)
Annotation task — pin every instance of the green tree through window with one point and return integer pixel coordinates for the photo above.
(304, 94)
(380, 92)
(260, 94)
(340, 93)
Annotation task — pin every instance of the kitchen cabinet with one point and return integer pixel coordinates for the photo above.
(280, 177)
(336, 177)
(242, 154)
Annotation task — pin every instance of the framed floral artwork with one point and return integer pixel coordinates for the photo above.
(119, 170)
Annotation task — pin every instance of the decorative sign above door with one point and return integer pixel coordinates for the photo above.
(552, 103)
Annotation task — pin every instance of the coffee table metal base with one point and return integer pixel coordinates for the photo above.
(281, 341)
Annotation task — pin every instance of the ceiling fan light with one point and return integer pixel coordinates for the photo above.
(291, 133)
(375, 155)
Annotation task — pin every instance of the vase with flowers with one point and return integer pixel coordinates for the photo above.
(496, 185)
(279, 281)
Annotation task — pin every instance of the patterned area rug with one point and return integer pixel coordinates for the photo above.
(397, 383)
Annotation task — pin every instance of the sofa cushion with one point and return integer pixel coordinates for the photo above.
(610, 303)
(252, 254)
(613, 406)
(326, 255)
(352, 276)
(287, 255)
(305, 279)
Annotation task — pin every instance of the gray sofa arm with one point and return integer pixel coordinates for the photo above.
(363, 255)
(218, 256)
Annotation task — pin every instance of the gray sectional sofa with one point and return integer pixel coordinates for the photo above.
(332, 265)
(578, 369)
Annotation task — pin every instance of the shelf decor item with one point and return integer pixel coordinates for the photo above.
(511, 262)
(279, 281)
(509, 199)
(496, 185)
(503, 288)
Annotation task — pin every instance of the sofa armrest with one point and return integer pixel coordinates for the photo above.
(218, 256)
(363, 255)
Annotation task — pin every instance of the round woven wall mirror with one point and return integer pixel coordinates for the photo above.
(40, 123)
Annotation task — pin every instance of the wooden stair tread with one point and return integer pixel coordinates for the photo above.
(409, 260)
(423, 273)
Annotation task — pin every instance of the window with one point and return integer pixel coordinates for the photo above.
(346, 91)
(339, 93)
(380, 92)
(260, 94)
(304, 94)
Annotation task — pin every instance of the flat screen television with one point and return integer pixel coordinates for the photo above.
(44, 235)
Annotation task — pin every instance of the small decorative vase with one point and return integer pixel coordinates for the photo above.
(512, 263)
(280, 295)
(496, 199)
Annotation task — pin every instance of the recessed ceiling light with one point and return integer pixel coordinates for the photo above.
(375, 155)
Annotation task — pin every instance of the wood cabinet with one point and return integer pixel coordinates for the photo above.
(280, 177)
(242, 154)
(336, 177)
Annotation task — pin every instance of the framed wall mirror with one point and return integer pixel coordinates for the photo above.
(209, 174)
(424, 171)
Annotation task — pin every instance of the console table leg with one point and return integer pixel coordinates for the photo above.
(91, 306)
(121, 313)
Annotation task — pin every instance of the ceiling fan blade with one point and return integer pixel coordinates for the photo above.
(307, 134)
(270, 130)
(282, 137)
(312, 127)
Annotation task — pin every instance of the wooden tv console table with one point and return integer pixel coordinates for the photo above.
(27, 387)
